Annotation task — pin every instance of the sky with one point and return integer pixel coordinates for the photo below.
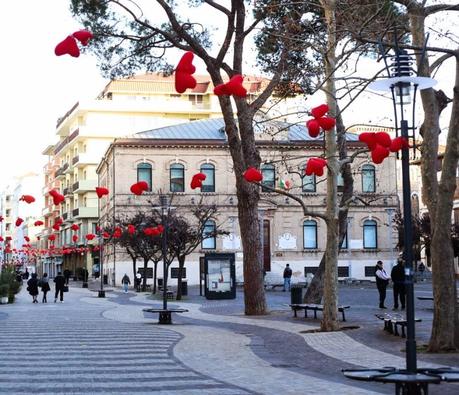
(39, 87)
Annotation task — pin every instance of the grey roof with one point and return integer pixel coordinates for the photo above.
(214, 129)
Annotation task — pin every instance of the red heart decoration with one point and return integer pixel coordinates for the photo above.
(196, 181)
(379, 154)
(313, 127)
(117, 232)
(27, 198)
(101, 191)
(19, 221)
(139, 187)
(369, 139)
(160, 228)
(319, 111)
(1, 218)
(58, 221)
(315, 166)
(232, 87)
(382, 138)
(68, 46)
(57, 197)
(327, 123)
(38, 223)
(131, 229)
(90, 236)
(398, 143)
(148, 231)
(74, 227)
(183, 73)
(253, 175)
(27, 238)
(75, 238)
(83, 36)
(106, 235)
(52, 237)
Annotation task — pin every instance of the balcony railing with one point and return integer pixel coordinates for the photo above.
(67, 191)
(85, 212)
(84, 159)
(65, 216)
(75, 160)
(83, 186)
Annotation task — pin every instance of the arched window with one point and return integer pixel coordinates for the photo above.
(309, 234)
(308, 183)
(209, 239)
(368, 179)
(370, 234)
(177, 176)
(269, 177)
(208, 185)
(144, 174)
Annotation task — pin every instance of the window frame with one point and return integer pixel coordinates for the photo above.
(209, 223)
(370, 223)
(314, 184)
(145, 166)
(310, 223)
(211, 168)
(177, 167)
(272, 183)
(366, 170)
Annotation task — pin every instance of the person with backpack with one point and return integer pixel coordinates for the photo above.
(59, 280)
(382, 280)
(287, 277)
(44, 284)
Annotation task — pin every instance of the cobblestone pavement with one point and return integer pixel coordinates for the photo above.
(91, 345)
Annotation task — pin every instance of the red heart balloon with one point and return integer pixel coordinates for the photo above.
(83, 36)
(68, 46)
(327, 123)
(52, 237)
(382, 138)
(75, 238)
(253, 175)
(131, 229)
(74, 227)
(197, 179)
(232, 87)
(319, 111)
(27, 198)
(369, 139)
(184, 81)
(315, 166)
(101, 191)
(185, 64)
(379, 154)
(19, 221)
(38, 223)
(90, 236)
(313, 127)
(398, 143)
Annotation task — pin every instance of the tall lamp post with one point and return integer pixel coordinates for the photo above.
(164, 318)
(403, 87)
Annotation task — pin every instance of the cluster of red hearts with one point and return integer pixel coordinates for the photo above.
(69, 45)
(320, 121)
(381, 145)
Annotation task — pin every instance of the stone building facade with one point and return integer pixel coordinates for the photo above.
(168, 157)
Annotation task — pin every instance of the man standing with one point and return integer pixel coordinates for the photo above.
(59, 280)
(287, 277)
(382, 280)
(67, 276)
(398, 278)
(125, 281)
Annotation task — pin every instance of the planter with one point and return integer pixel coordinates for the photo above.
(4, 300)
(11, 298)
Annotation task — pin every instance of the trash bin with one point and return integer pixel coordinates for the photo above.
(296, 293)
(184, 287)
(105, 279)
(160, 283)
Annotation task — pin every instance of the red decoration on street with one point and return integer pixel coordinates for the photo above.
(148, 231)
(19, 221)
(117, 232)
(320, 121)
(315, 166)
(327, 123)
(160, 228)
(313, 127)
(101, 191)
(90, 236)
(38, 223)
(183, 73)
(1, 239)
(83, 36)
(131, 229)
(369, 139)
(379, 154)
(1, 218)
(27, 198)
(398, 143)
(27, 238)
(382, 138)
(59, 221)
(106, 235)
(52, 237)
(57, 197)
(139, 187)
(319, 111)
(196, 181)
(56, 226)
(232, 87)
(75, 238)
(74, 227)
(253, 175)
(67, 46)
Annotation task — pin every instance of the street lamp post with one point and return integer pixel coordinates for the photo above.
(101, 293)
(164, 318)
(403, 87)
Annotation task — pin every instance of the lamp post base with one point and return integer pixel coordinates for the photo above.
(101, 294)
(165, 317)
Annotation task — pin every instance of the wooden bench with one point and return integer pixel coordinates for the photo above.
(425, 297)
(315, 308)
(165, 316)
(393, 321)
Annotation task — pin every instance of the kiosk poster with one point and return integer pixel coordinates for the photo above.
(219, 275)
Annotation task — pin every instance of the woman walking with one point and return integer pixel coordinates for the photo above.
(32, 287)
(45, 286)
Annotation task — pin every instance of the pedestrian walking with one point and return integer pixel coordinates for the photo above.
(32, 287)
(67, 276)
(287, 277)
(26, 274)
(421, 269)
(138, 281)
(44, 283)
(125, 281)
(382, 280)
(59, 280)
(398, 278)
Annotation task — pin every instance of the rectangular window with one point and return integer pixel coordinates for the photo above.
(309, 234)
(309, 183)
(209, 242)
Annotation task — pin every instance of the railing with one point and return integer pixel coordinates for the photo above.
(67, 191)
(65, 216)
(75, 160)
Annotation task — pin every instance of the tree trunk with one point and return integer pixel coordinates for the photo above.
(155, 273)
(145, 267)
(445, 326)
(181, 262)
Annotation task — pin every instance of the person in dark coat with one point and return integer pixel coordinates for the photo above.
(398, 278)
(32, 287)
(59, 280)
(26, 274)
(44, 283)
(382, 281)
(67, 276)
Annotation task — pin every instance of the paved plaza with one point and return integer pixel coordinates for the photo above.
(90, 345)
